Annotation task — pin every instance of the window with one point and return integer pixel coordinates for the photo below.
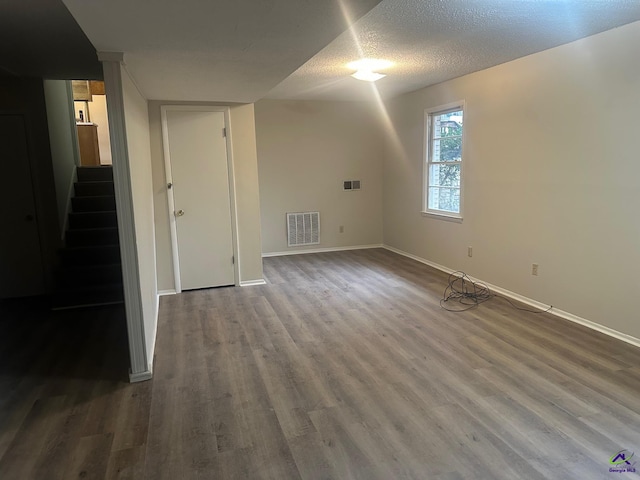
(443, 166)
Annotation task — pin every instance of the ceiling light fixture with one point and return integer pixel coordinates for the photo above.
(367, 76)
(365, 68)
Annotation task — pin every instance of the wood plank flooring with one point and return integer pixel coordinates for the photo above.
(343, 366)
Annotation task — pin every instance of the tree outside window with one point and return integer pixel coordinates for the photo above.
(444, 161)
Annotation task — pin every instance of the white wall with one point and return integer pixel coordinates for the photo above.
(551, 177)
(98, 111)
(243, 142)
(63, 141)
(138, 146)
(306, 149)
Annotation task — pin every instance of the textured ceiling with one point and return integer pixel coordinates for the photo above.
(431, 41)
(40, 38)
(226, 50)
(244, 50)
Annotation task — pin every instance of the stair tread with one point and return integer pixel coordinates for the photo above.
(100, 173)
(90, 270)
(90, 189)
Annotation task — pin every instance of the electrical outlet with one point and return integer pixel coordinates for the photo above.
(470, 251)
(534, 269)
(341, 228)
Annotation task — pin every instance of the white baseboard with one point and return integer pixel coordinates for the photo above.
(140, 377)
(528, 301)
(161, 293)
(252, 283)
(152, 350)
(320, 250)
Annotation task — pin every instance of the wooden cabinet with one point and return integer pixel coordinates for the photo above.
(88, 143)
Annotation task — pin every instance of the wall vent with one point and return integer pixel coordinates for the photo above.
(303, 228)
(351, 185)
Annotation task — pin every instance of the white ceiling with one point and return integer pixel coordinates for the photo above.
(432, 41)
(215, 50)
(245, 50)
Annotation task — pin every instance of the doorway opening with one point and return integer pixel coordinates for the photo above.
(90, 108)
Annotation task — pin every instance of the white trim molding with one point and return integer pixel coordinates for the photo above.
(528, 301)
(140, 363)
(320, 250)
(253, 283)
(162, 293)
(141, 376)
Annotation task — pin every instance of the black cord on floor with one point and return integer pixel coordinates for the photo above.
(469, 294)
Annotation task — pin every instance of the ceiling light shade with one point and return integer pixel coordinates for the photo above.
(365, 68)
(370, 64)
(367, 76)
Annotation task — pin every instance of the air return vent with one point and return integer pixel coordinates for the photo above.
(303, 228)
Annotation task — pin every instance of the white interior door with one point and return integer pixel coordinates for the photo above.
(21, 272)
(198, 172)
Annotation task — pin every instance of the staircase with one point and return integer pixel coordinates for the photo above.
(90, 272)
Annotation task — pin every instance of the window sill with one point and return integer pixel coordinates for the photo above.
(443, 216)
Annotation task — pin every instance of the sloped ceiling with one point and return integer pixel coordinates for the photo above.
(222, 50)
(431, 41)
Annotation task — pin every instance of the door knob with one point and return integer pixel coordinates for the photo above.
(179, 213)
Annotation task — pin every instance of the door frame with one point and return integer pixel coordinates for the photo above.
(168, 178)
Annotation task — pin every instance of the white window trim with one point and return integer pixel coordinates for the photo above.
(426, 211)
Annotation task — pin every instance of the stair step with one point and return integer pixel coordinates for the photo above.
(95, 255)
(95, 174)
(88, 297)
(91, 275)
(93, 189)
(92, 220)
(103, 203)
(87, 237)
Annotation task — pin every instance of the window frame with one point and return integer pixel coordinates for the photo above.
(429, 113)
